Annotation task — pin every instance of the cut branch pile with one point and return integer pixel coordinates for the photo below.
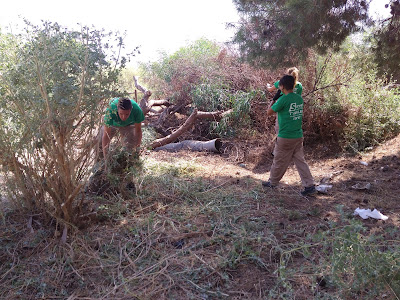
(146, 105)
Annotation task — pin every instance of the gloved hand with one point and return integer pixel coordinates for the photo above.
(277, 95)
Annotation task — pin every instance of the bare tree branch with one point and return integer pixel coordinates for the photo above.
(139, 86)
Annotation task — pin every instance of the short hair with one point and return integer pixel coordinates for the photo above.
(124, 103)
(287, 81)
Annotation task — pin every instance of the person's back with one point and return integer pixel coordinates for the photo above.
(289, 144)
(290, 116)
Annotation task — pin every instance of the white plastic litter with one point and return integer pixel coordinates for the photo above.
(367, 213)
(362, 186)
(364, 163)
(323, 188)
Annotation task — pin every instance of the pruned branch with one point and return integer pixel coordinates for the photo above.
(138, 86)
(216, 115)
(145, 104)
(173, 136)
(187, 125)
(160, 102)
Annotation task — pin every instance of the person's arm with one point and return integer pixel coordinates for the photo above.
(105, 141)
(270, 111)
(277, 106)
(138, 134)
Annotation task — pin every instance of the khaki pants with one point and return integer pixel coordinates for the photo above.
(285, 151)
(127, 133)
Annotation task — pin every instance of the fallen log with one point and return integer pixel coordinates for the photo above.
(217, 115)
(211, 146)
(173, 136)
(187, 125)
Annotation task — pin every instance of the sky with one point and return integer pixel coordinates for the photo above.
(154, 25)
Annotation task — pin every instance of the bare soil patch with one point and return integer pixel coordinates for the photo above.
(213, 233)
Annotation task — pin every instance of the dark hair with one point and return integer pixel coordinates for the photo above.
(287, 81)
(124, 103)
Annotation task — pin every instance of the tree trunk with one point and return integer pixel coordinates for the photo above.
(173, 136)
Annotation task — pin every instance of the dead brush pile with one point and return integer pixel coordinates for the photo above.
(215, 82)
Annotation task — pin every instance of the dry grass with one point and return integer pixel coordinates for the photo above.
(199, 227)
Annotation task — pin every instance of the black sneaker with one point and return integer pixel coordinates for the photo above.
(267, 184)
(308, 190)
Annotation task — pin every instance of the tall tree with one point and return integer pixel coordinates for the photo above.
(280, 32)
(387, 47)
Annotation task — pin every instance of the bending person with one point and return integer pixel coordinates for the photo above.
(125, 116)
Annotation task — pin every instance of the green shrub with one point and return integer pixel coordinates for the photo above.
(348, 101)
(51, 103)
(376, 116)
(238, 118)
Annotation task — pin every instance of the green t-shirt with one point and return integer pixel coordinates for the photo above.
(111, 117)
(298, 88)
(290, 116)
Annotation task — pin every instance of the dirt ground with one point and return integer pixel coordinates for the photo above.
(377, 169)
(182, 241)
(347, 174)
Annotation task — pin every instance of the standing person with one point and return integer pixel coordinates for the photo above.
(289, 144)
(298, 89)
(125, 116)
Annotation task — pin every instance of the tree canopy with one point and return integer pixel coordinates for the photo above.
(387, 44)
(280, 33)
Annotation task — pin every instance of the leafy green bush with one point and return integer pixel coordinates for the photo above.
(376, 116)
(348, 100)
(211, 96)
(218, 96)
(52, 95)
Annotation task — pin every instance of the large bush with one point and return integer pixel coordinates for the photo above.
(348, 102)
(174, 75)
(208, 77)
(51, 104)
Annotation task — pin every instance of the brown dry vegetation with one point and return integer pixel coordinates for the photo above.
(200, 226)
(203, 229)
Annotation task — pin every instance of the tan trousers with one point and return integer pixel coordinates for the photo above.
(127, 133)
(285, 151)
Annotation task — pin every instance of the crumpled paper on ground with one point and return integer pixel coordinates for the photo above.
(367, 213)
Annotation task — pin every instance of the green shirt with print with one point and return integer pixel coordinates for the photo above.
(290, 116)
(111, 117)
(298, 88)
